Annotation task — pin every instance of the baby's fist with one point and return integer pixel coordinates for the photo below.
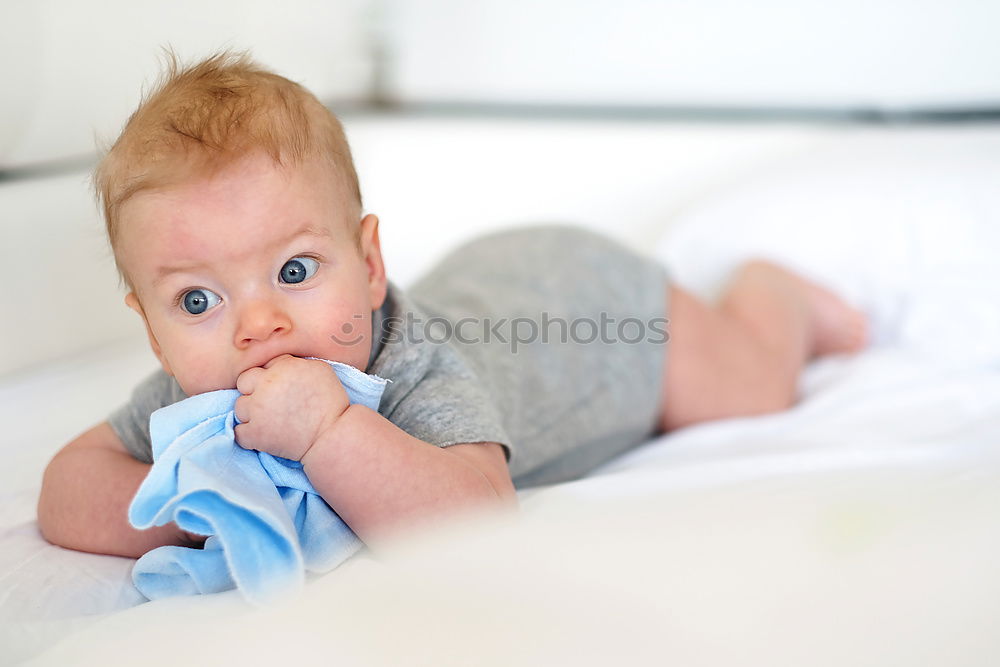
(287, 404)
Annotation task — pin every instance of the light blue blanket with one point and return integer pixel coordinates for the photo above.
(266, 522)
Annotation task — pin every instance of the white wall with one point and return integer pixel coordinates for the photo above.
(71, 69)
(795, 53)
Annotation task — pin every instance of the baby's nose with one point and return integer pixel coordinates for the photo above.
(260, 320)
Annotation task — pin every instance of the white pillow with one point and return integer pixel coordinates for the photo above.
(902, 223)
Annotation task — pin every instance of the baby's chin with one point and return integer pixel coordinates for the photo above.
(193, 387)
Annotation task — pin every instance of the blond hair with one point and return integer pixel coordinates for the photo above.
(200, 118)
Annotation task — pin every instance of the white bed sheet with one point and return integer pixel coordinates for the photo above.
(875, 499)
(857, 527)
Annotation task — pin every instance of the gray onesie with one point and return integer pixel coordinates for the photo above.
(550, 340)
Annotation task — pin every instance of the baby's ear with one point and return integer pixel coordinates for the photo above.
(132, 301)
(372, 251)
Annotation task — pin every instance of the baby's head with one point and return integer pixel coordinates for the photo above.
(234, 214)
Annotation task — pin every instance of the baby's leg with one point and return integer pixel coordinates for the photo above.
(744, 356)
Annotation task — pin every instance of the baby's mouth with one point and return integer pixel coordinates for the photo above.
(264, 361)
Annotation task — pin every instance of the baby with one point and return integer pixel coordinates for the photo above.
(524, 357)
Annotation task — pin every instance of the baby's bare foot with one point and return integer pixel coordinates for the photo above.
(838, 327)
(835, 327)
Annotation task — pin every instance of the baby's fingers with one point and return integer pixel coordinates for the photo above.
(244, 436)
(248, 379)
(242, 409)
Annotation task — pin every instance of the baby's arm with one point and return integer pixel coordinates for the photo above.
(380, 478)
(85, 496)
(377, 477)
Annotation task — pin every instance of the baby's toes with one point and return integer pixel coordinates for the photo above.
(858, 333)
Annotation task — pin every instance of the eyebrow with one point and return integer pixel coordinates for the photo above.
(165, 271)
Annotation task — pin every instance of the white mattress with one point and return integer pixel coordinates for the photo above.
(857, 528)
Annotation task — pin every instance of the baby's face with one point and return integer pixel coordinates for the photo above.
(258, 262)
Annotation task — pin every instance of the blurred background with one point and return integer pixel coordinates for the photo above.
(464, 116)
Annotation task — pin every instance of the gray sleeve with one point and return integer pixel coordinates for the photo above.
(435, 413)
(448, 406)
(131, 420)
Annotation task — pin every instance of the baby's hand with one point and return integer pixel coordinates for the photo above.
(287, 404)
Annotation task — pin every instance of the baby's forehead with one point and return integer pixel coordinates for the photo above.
(243, 211)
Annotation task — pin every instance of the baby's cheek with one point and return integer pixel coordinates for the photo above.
(204, 371)
(348, 340)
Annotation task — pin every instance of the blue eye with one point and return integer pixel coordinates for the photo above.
(197, 301)
(298, 269)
